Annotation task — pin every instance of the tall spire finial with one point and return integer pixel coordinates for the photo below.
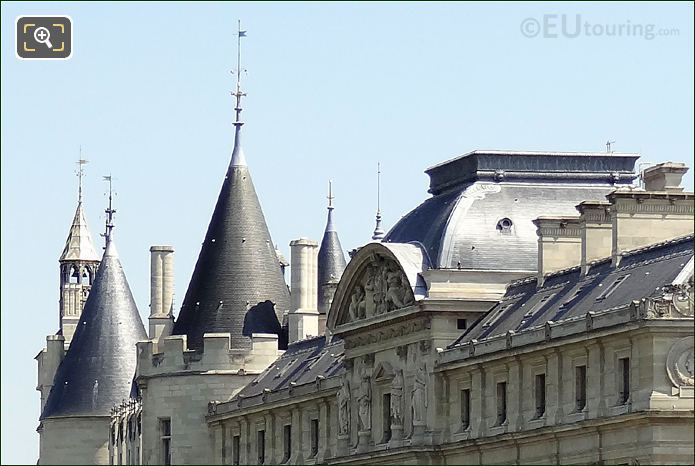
(330, 195)
(378, 231)
(109, 211)
(80, 173)
(238, 158)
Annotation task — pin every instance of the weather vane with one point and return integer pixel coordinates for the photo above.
(80, 173)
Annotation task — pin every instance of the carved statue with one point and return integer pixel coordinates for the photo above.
(396, 293)
(419, 396)
(365, 402)
(397, 398)
(375, 290)
(357, 305)
(344, 407)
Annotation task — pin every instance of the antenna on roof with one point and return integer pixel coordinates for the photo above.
(608, 146)
(109, 211)
(378, 231)
(80, 173)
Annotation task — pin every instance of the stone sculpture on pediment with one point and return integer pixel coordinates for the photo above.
(357, 304)
(382, 287)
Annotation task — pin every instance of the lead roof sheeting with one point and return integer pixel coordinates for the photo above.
(640, 274)
(237, 265)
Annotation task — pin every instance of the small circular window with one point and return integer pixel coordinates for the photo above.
(504, 225)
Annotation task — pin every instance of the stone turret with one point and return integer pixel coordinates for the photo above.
(331, 264)
(78, 267)
(97, 371)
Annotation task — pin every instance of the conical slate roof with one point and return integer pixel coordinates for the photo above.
(237, 270)
(98, 369)
(331, 260)
(79, 245)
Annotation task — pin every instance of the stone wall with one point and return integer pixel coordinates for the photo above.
(74, 440)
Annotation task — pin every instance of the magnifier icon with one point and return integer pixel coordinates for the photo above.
(43, 36)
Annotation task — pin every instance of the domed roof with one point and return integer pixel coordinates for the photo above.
(485, 198)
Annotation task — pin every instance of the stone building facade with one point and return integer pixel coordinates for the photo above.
(591, 363)
(537, 308)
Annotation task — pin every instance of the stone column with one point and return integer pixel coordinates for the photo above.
(477, 404)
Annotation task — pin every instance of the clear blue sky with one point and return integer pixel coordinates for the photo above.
(332, 89)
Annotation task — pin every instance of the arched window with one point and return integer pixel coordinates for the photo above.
(74, 276)
(86, 276)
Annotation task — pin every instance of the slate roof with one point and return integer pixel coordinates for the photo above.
(331, 260)
(238, 272)
(461, 225)
(98, 369)
(79, 245)
(302, 363)
(567, 293)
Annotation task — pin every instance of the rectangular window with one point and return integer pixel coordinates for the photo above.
(261, 446)
(580, 387)
(386, 409)
(314, 437)
(165, 437)
(624, 368)
(540, 395)
(613, 286)
(465, 408)
(461, 324)
(287, 442)
(501, 402)
(235, 449)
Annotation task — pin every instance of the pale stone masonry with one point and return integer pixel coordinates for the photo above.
(537, 309)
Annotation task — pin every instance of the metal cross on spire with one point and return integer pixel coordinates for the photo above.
(80, 173)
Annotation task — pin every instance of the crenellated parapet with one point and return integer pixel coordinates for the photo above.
(172, 355)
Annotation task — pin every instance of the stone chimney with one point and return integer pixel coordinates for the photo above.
(596, 230)
(161, 318)
(49, 359)
(661, 212)
(559, 244)
(303, 319)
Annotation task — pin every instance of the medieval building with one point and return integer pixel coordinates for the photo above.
(537, 308)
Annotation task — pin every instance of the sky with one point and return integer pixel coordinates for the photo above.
(332, 90)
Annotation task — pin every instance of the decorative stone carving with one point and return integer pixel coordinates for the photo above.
(399, 330)
(397, 398)
(680, 363)
(344, 407)
(673, 301)
(419, 397)
(365, 402)
(383, 287)
(357, 307)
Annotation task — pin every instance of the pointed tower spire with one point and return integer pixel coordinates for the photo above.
(78, 265)
(98, 369)
(236, 286)
(331, 262)
(378, 230)
(238, 158)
